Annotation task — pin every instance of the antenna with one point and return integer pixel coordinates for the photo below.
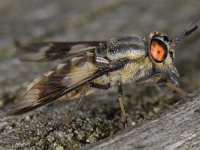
(188, 30)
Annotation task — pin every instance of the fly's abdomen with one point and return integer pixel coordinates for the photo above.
(128, 47)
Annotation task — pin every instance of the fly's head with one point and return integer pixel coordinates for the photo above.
(162, 53)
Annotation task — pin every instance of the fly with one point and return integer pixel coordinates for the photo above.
(89, 66)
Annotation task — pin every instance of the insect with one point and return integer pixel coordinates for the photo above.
(89, 66)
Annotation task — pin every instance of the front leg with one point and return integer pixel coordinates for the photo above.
(121, 104)
(153, 79)
(161, 78)
(177, 89)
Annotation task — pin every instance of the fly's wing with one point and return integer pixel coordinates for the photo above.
(64, 79)
(60, 80)
(57, 50)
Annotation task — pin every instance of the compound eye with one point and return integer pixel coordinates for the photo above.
(158, 50)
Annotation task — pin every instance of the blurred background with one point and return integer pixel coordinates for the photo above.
(23, 22)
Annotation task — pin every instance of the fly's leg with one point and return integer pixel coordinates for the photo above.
(121, 104)
(120, 98)
(74, 109)
(152, 80)
(67, 118)
(79, 102)
(178, 89)
(160, 78)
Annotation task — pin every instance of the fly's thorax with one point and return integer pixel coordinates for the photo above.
(134, 71)
(126, 47)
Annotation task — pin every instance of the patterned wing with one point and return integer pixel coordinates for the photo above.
(53, 84)
(58, 50)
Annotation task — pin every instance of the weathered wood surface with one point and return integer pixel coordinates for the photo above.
(174, 129)
(23, 22)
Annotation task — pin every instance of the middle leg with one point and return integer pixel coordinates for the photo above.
(122, 106)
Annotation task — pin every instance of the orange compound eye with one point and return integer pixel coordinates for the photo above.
(158, 50)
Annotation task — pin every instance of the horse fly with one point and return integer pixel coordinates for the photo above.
(91, 65)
